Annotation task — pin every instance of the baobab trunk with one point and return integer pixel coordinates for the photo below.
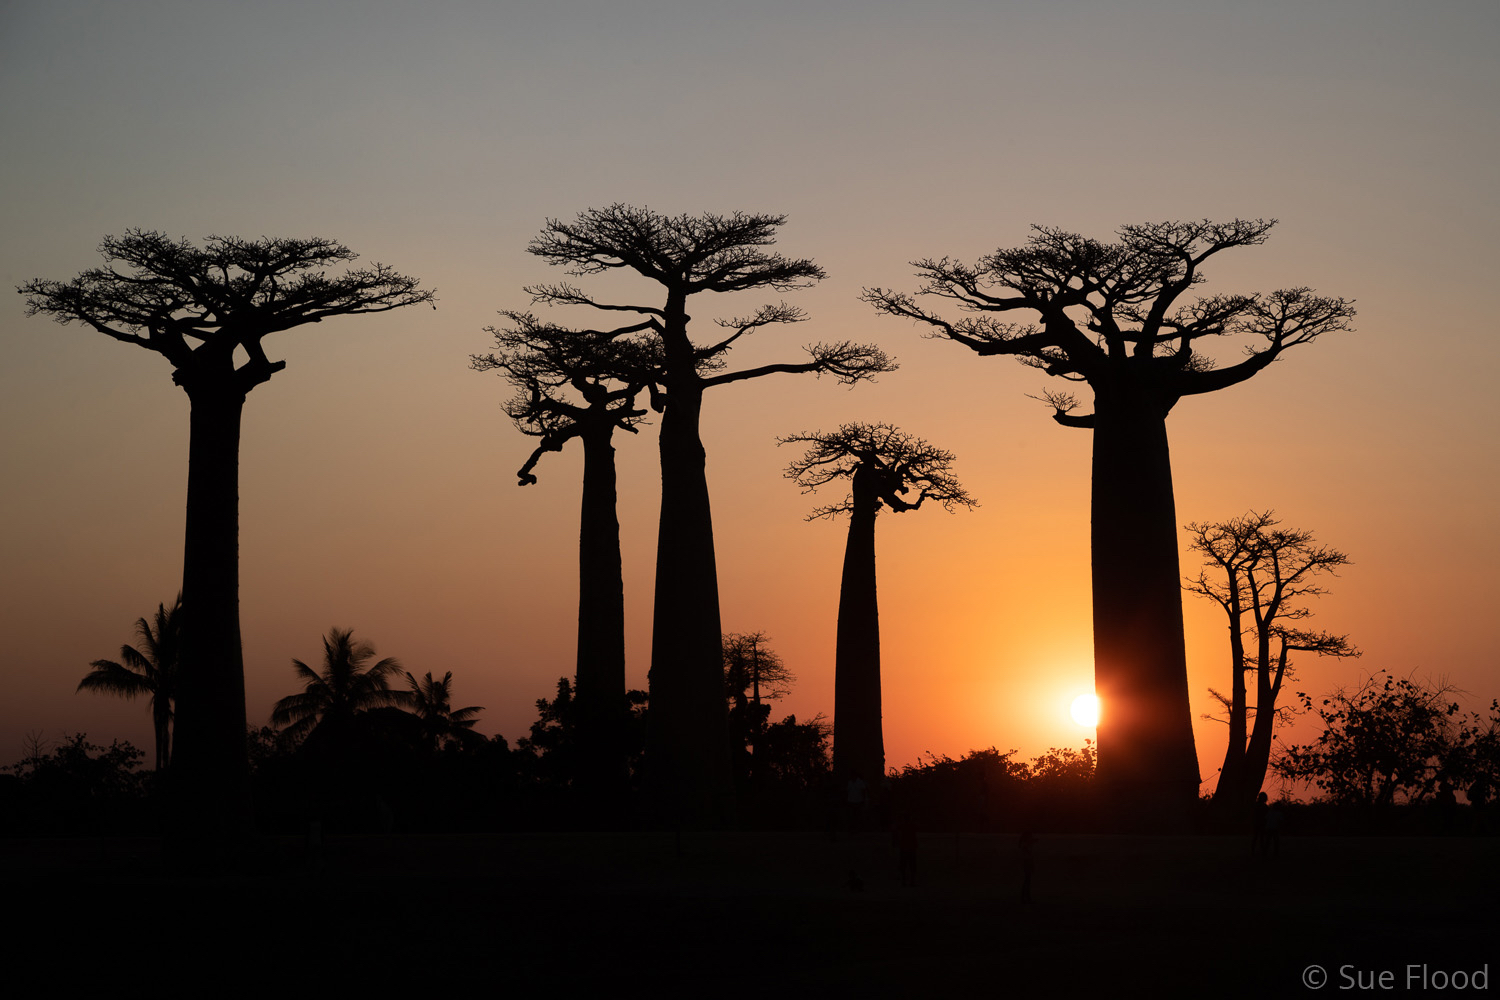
(858, 743)
(688, 750)
(210, 772)
(1146, 750)
(1258, 754)
(1230, 792)
(600, 686)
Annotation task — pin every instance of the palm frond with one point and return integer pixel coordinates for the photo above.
(114, 678)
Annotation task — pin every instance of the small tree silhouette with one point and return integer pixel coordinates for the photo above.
(752, 672)
(201, 308)
(583, 384)
(432, 702)
(1262, 573)
(883, 466)
(1112, 315)
(1383, 742)
(347, 685)
(687, 760)
(150, 668)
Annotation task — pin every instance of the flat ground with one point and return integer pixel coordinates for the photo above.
(751, 914)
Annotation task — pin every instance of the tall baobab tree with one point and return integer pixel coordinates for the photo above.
(150, 668)
(198, 307)
(887, 469)
(687, 753)
(583, 384)
(1261, 575)
(1114, 316)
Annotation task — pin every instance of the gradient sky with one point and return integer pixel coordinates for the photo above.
(377, 470)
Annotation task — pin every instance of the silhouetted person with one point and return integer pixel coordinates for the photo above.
(1447, 806)
(856, 801)
(1258, 824)
(1271, 843)
(1027, 845)
(1479, 801)
(905, 836)
(856, 884)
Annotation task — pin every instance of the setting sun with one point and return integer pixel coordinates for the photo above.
(1085, 710)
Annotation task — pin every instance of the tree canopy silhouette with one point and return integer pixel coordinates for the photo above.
(753, 674)
(200, 308)
(347, 684)
(1261, 575)
(150, 668)
(1114, 316)
(687, 760)
(432, 702)
(884, 466)
(583, 384)
(1382, 742)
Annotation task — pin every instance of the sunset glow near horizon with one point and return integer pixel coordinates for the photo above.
(377, 471)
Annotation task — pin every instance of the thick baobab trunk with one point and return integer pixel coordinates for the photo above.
(1146, 750)
(210, 770)
(600, 685)
(858, 744)
(688, 750)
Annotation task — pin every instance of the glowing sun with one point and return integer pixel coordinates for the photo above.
(1085, 711)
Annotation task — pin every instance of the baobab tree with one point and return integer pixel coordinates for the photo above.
(687, 751)
(583, 384)
(200, 307)
(887, 469)
(1261, 574)
(1114, 316)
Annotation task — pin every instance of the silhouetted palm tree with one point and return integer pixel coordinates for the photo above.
(431, 701)
(344, 688)
(149, 667)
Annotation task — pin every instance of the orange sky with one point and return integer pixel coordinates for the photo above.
(377, 487)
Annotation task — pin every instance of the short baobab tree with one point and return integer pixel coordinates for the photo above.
(1114, 316)
(1261, 574)
(583, 384)
(887, 469)
(202, 308)
(687, 761)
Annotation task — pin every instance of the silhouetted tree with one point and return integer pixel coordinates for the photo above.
(686, 255)
(1113, 315)
(883, 466)
(752, 672)
(199, 308)
(149, 668)
(431, 701)
(1383, 742)
(1262, 573)
(551, 750)
(347, 685)
(583, 384)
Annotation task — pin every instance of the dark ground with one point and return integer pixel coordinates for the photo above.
(750, 914)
